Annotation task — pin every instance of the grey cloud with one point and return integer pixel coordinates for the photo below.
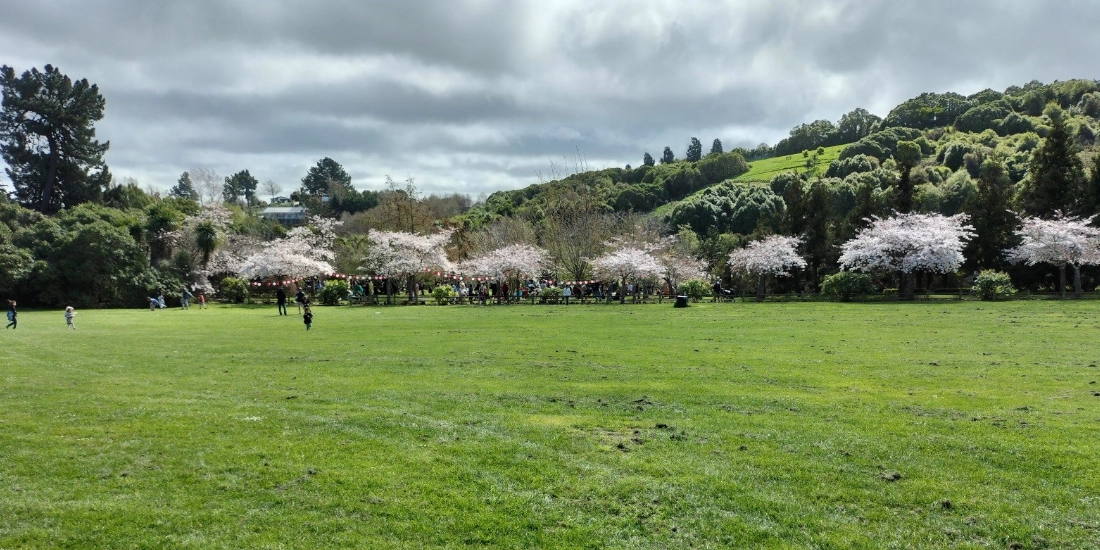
(477, 94)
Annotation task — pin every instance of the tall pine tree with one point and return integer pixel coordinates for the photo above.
(1056, 177)
(184, 189)
(695, 151)
(716, 147)
(668, 157)
(991, 218)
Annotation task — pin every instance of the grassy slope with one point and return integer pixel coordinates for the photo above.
(736, 425)
(764, 170)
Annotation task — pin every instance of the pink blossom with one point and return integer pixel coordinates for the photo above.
(908, 243)
(1059, 242)
(515, 260)
(775, 255)
(397, 253)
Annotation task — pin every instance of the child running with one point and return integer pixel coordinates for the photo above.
(307, 317)
(13, 316)
(69, 314)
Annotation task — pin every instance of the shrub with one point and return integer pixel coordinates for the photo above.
(550, 292)
(695, 289)
(233, 289)
(846, 284)
(990, 285)
(333, 292)
(443, 294)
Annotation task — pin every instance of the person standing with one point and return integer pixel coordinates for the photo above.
(185, 298)
(307, 317)
(300, 299)
(280, 299)
(202, 300)
(13, 316)
(153, 304)
(69, 314)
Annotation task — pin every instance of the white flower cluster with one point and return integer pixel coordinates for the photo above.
(908, 243)
(775, 255)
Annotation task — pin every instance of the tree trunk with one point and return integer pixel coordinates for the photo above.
(761, 288)
(51, 174)
(389, 291)
(1077, 281)
(1062, 281)
(910, 281)
(622, 291)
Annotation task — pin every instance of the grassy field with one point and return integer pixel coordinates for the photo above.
(797, 425)
(766, 169)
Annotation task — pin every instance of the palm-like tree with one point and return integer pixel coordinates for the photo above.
(207, 239)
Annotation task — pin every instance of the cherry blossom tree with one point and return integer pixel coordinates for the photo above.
(677, 263)
(511, 262)
(775, 255)
(1062, 241)
(627, 263)
(908, 243)
(306, 251)
(401, 254)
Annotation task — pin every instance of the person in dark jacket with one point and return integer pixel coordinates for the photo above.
(13, 316)
(300, 299)
(280, 298)
(307, 318)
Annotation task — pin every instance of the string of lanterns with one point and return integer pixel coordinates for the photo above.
(354, 278)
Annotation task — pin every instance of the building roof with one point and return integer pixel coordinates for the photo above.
(285, 210)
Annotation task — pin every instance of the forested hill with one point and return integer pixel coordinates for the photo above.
(952, 131)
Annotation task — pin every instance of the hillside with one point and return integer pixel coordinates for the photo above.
(955, 134)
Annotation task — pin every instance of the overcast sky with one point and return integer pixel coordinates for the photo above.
(478, 95)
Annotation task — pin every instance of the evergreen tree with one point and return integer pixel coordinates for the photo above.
(47, 138)
(241, 184)
(989, 214)
(794, 216)
(716, 147)
(818, 251)
(668, 157)
(325, 174)
(1056, 176)
(1091, 196)
(695, 151)
(184, 189)
(647, 160)
(907, 156)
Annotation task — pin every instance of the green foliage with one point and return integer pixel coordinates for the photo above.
(126, 196)
(333, 292)
(233, 289)
(647, 160)
(728, 207)
(1014, 123)
(1056, 175)
(184, 189)
(716, 147)
(47, 138)
(990, 285)
(846, 284)
(668, 156)
(852, 165)
(241, 184)
(326, 177)
(443, 294)
(719, 167)
(695, 289)
(928, 110)
(550, 292)
(880, 145)
(987, 116)
(694, 151)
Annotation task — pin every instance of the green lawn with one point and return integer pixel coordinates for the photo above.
(776, 425)
(766, 169)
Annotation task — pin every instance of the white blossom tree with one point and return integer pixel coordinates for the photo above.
(775, 255)
(396, 254)
(908, 243)
(1062, 241)
(677, 263)
(627, 263)
(306, 251)
(510, 262)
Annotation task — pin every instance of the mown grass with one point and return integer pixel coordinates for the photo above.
(766, 169)
(800, 425)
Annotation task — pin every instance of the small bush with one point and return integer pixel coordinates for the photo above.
(846, 284)
(333, 292)
(235, 290)
(550, 292)
(443, 294)
(695, 289)
(990, 285)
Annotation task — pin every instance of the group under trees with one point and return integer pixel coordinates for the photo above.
(1062, 241)
(401, 254)
(627, 263)
(907, 244)
(775, 255)
(510, 262)
(47, 138)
